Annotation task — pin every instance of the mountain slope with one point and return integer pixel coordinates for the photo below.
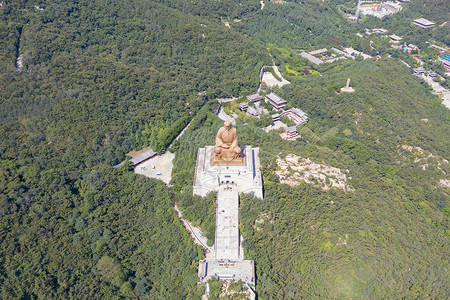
(98, 79)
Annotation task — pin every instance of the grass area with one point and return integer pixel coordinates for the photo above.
(290, 71)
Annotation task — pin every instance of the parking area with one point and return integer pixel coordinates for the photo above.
(159, 167)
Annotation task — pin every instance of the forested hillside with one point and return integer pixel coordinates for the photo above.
(400, 23)
(100, 78)
(296, 24)
(388, 236)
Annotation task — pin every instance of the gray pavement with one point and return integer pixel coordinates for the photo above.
(227, 224)
(235, 270)
(226, 261)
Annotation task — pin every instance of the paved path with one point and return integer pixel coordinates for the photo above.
(438, 90)
(276, 125)
(181, 133)
(225, 100)
(160, 166)
(193, 231)
(270, 80)
(223, 116)
(227, 225)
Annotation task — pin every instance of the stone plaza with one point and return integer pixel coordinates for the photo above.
(228, 176)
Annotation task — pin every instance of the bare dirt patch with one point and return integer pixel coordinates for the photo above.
(234, 291)
(359, 122)
(262, 218)
(342, 241)
(423, 158)
(445, 183)
(293, 170)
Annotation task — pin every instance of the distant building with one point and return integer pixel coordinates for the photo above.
(395, 38)
(342, 53)
(296, 115)
(276, 117)
(392, 7)
(409, 47)
(311, 58)
(379, 30)
(317, 52)
(243, 106)
(442, 50)
(424, 23)
(142, 157)
(253, 111)
(432, 74)
(276, 101)
(419, 71)
(290, 133)
(412, 47)
(446, 62)
(254, 98)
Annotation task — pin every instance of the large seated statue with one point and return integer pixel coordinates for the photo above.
(227, 147)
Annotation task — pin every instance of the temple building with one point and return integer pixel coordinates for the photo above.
(424, 23)
(276, 101)
(296, 115)
(254, 98)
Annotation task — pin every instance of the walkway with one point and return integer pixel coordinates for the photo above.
(181, 133)
(227, 258)
(194, 232)
(223, 116)
(227, 225)
(438, 89)
(270, 80)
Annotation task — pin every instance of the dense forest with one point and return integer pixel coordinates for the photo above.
(395, 221)
(97, 79)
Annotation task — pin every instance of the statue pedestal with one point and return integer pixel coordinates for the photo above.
(243, 173)
(228, 179)
(238, 161)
